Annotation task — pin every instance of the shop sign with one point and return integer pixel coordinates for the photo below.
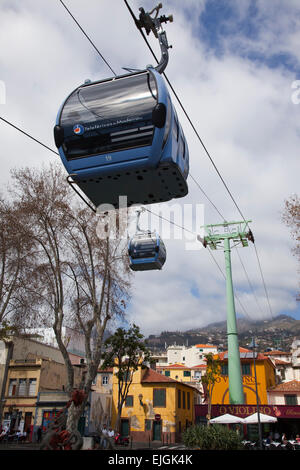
(242, 411)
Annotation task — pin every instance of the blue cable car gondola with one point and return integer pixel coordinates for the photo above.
(146, 250)
(121, 137)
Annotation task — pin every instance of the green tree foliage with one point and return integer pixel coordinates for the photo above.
(213, 370)
(126, 351)
(214, 437)
(74, 278)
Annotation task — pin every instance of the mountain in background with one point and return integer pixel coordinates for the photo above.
(277, 333)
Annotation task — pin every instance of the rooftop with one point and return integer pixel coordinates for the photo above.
(292, 386)
(277, 353)
(151, 376)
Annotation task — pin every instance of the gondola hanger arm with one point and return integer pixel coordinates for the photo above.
(154, 25)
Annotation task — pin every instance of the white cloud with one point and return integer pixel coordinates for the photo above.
(241, 108)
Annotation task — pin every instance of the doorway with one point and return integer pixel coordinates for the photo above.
(125, 427)
(157, 430)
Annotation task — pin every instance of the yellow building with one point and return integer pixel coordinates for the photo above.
(182, 373)
(34, 392)
(265, 373)
(101, 400)
(157, 407)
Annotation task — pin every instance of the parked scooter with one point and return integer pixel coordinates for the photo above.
(121, 441)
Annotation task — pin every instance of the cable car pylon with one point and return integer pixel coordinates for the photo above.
(216, 240)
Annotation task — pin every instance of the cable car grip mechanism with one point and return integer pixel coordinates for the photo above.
(154, 25)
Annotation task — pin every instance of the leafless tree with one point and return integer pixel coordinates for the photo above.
(16, 255)
(291, 217)
(78, 279)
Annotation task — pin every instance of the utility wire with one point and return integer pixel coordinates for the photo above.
(263, 280)
(106, 62)
(28, 135)
(155, 214)
(88, 38)
(185, 112)
(200, 140)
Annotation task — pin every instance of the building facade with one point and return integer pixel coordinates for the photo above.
(33, 368)
(157, 407)
(101, 400)
(286, 393)
(189, 356)
(265, 373)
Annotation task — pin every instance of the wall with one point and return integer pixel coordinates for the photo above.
(265, 379)
(190, 356)
(170, 415)
(26, 349)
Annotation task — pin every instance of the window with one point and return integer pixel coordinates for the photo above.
(32, 387)
(167, 373)
(159, 397)
(168, 122)
(224, 369)
(186, 373)
(12, 390)
(179, 398)
(175, 127)
(246, 370)
(188, 400)
(105, 380)
(129, 400)
(181, 149)
(105, 110)
(290, 400)
(22, 387)
(148, 424)
(183, 400)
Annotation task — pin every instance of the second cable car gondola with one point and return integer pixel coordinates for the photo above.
(121, 137)
(146, 252)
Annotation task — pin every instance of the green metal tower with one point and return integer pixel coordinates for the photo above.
(220, 236)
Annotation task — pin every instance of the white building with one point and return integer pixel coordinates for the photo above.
(190, 356)
(287, 363)
(73, 339)
(286, 393)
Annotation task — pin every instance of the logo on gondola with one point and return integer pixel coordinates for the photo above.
(78, 129)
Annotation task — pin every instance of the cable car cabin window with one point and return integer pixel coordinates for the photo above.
(109, 116)
(175, 127)
(181, 147)
(143, 249)
(168, 122)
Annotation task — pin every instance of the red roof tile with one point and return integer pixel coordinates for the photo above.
(277, 353)
(151, 376)
(292, 386)
(173, 366)
(279, 362)
(260, 356)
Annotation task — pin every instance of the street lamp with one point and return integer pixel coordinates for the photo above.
(253, 346)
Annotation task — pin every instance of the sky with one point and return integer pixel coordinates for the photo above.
(235, 65)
